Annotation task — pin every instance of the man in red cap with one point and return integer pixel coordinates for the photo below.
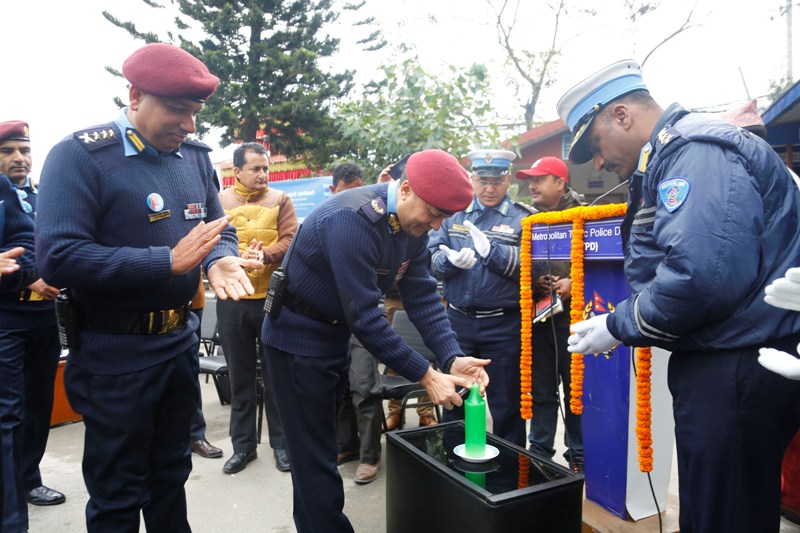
(344, 257)
(29, 352)
(129, 213)
(550, 191)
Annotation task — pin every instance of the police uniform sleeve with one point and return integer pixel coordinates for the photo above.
(229, 239)
(353, 249)
(706, 230)
(424, 307)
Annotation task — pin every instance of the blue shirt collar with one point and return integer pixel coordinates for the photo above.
(391, 197)
(502, 207)
(124, 124)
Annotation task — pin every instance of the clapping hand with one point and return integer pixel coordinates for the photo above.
(479, 238)
(464, 258)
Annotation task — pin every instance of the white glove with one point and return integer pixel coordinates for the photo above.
(479, 238)
(592, 336)
(785, 292)
(464, 258)
(785, 364)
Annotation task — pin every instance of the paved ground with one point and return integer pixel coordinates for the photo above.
(257, 499)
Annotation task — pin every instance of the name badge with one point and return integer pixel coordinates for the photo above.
(160, 215)
(194, 211)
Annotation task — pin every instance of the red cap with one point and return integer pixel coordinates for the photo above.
(166, 70)
(14, 130)
(439, 179)
(545, 166)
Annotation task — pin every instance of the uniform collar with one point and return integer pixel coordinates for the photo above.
(392, 222)
(27, 184)
(501, 208)
(132, 140)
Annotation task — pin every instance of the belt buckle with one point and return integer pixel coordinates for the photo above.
(170, 320)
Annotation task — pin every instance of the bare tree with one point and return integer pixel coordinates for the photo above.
(532, 67)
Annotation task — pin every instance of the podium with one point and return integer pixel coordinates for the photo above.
(613, 479)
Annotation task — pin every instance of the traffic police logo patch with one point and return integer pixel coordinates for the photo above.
(673, 193)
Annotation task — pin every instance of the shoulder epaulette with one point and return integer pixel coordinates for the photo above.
(374, 210)
(532, 210)
(198, 144)
(666, 136)
(97, 137)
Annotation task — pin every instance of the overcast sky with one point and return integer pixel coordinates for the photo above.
(55, 52)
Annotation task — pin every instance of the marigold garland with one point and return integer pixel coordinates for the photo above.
(526, 328)
(644, 409)
(523, 480)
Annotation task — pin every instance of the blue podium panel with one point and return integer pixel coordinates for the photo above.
(606, 391)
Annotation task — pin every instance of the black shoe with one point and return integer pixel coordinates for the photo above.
(45, 496)
(203, 448)
(281, 459)
(239, 461)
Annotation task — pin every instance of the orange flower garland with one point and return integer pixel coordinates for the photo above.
(576, 366)
(644, 409)
(526, 328)
(523, 479)
(578, 216)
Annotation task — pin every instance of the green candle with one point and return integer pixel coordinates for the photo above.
(475, 424)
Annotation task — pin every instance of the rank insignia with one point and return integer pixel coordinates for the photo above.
(377, 205)
(394, 224)
(195, 211)
(97, 137)
(666, 135)
(673, 193)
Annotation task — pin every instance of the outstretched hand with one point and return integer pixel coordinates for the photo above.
(8, 260)
(785, 292)
(472, 369)
(228, 278)
(592, 336)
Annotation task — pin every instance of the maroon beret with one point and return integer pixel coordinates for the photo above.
(14, 130)
(439, 179)
(166, 70)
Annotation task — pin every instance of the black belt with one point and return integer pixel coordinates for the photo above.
(133, 323)
(301, 307)
(479, 313)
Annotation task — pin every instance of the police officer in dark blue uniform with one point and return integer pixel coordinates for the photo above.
(712, 220)
(476, 254)
(344, 257)
(29, 348)
(128, 214)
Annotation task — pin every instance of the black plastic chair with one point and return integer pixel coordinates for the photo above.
(398, 387)
(212, 361)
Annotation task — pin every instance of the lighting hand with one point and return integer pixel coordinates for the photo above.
(592, 336)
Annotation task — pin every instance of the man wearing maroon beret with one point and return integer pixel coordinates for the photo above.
(129, 213)
(29, 355)
(347, 253)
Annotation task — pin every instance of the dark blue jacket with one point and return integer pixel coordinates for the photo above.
(699, 253)
(494, 282)
(342, 260)
(16, 229)
(95, 234)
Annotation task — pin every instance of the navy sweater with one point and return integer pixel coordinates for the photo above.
(94, 235)
(16, 228)
(342, 261)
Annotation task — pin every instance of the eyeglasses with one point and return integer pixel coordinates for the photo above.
(494, 182)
